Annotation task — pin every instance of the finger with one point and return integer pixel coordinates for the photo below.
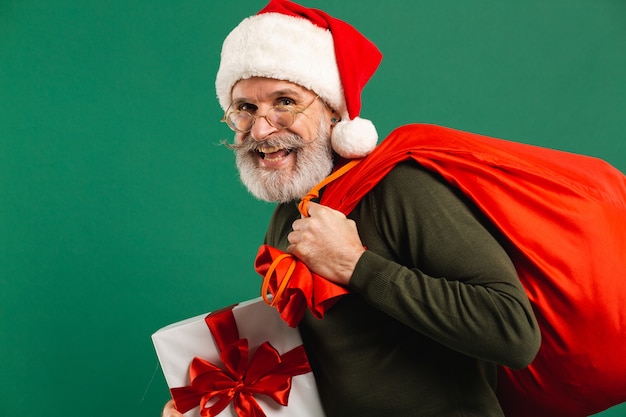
(293, 237)
(313, 207)
(170, 410)
(297, 225)
(316, 209)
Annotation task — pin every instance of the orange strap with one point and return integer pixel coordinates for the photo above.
(283, 284)
(315, 191)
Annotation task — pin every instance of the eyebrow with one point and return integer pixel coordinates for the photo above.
(289, 92)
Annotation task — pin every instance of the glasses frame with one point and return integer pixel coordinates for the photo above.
(294, 112)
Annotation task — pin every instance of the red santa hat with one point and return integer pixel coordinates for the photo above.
(287, 41)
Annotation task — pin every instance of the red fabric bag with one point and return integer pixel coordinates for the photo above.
(565, 217)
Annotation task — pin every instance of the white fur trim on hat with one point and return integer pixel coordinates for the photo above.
(282, 47)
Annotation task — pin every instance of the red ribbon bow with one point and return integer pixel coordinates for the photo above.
(214, 388)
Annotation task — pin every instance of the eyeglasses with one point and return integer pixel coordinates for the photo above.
(280, 116)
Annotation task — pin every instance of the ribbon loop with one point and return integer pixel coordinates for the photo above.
(283, 278)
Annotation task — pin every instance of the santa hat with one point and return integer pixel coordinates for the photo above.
(286, 41)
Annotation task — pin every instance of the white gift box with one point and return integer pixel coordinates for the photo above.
(179, 343)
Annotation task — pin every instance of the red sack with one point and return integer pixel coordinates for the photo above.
(565, 218)
(293, 286)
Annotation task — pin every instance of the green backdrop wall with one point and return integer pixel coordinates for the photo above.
(120, 213)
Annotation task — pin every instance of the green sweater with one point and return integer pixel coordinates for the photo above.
(434, 305)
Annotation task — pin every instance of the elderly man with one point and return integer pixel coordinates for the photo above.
(434, 303)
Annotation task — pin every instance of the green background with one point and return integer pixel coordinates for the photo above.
(120, 213)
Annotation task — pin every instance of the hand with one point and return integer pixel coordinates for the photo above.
(170, 410)
(327, 242)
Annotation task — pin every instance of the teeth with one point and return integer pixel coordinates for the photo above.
(269, 149)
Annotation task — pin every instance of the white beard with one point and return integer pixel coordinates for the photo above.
(314, 161)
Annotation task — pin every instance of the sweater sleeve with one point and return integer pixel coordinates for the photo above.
(433, 264)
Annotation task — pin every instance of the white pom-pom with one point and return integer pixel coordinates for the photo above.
(354, 138)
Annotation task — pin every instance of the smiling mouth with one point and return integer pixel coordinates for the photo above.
(273, 153)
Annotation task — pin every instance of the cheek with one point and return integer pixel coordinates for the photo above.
(239, 137)
(307, 131)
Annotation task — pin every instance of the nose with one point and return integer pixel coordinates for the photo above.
(261, 129)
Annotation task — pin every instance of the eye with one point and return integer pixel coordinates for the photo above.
(285, 101)
(247, 107)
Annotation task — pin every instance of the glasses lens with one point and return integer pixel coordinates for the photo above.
(239, 121)
(280, 117)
